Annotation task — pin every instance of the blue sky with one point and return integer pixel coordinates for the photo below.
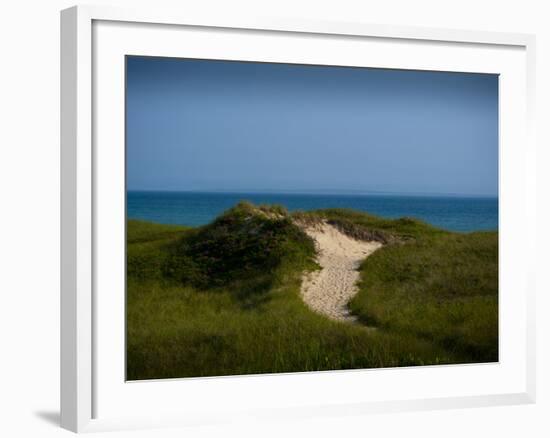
(236, 126)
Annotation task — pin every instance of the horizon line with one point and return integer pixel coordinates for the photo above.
(318, 192)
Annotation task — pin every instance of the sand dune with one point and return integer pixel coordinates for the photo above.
(329, 290)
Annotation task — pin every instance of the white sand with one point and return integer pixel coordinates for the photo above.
(329, 290)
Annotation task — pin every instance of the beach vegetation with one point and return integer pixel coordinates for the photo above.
(224, 298)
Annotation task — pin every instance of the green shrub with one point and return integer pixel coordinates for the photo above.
(243, 243)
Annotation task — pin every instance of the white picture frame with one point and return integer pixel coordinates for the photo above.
(92, 37)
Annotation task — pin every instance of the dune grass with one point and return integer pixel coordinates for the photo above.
(437, 285)
(223, 299)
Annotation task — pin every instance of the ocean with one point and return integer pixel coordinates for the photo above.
(453, 213)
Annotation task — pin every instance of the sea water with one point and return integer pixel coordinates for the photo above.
(455, 213)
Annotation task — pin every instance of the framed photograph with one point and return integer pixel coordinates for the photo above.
(276, 218)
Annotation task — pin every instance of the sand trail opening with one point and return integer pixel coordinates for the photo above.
(329, 290)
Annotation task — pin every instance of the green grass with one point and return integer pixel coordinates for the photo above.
(224, 298)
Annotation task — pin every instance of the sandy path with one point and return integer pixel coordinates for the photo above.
(329, 290)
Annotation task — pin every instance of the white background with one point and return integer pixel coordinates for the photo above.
(29, 219)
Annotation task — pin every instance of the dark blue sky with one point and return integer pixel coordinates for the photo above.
(236, 126)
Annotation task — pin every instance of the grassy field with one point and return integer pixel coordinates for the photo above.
(224, 298)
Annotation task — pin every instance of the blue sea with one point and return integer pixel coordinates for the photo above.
(195, 208)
